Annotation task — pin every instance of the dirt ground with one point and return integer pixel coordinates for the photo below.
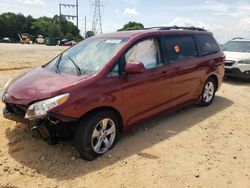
(194, 147)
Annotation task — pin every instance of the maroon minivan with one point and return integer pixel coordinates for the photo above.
(108, 83)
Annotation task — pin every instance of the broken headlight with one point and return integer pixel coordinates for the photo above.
(41, 108)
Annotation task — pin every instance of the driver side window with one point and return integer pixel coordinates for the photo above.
(145, 52)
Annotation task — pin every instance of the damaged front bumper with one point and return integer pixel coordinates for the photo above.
(15, 117)
(39, 130)
(49, 128)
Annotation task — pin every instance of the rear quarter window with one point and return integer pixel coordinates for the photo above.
(207, 44)
(179, 47)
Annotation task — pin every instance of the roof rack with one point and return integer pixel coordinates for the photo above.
(177, 27)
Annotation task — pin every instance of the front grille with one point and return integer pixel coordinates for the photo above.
(228, 71)
(17, 109)
(229, 63)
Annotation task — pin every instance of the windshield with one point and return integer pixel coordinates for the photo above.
(86, 58)
(237, 46)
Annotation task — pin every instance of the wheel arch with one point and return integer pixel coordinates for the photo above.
(103, 108)
(215, 78)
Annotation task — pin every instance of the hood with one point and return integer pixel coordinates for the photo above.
(38, 84)
(236, 56)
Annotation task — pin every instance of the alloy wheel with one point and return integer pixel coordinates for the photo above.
(103, 136)
(208, 92)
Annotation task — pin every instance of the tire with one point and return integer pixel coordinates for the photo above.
(208, 92)
(92, 139)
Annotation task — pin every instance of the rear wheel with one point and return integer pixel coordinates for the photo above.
(208, 92)
(96, 134)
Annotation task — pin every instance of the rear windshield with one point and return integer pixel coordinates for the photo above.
(207, 44)
(237, 46)
(86, 58)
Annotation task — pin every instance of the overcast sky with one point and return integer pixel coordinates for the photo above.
(225, 18)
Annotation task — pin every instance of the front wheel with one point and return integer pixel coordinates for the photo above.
(208, 92)
(96, 134)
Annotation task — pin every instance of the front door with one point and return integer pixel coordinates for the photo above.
(146, 93)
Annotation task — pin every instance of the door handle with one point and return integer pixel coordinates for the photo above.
(211, 62)
(164, 73)
(177, 68)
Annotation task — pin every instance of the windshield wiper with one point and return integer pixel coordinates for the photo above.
(79, 72)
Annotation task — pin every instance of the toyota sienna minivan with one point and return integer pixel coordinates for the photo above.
(109, 83)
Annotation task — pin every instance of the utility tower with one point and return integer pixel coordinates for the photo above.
(97, 20)
(65, 6)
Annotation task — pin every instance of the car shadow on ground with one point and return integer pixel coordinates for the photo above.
(59, 162)
(237, 81)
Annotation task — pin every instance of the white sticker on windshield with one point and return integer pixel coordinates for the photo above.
(113, 41)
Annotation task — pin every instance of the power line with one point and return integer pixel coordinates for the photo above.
(65, 6)
(97, 20)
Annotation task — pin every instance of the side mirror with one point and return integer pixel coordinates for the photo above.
(134, 67)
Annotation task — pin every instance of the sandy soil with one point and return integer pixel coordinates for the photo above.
(194, 147)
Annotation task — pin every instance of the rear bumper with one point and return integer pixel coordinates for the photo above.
(235, 72)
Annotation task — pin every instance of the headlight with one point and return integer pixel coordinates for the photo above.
(244, 61)
(41, 108)
(2, 91)
(7, 84)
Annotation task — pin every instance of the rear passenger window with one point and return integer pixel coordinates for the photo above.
(207, 44)
(179, 47)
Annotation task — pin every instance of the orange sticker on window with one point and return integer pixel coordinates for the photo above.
(177, 49)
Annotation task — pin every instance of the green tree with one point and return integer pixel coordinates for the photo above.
(28, 26)
(56, 19)
(1, 28)
(54, 31)
(69, 27)
(132, 26)
(90, 34)
(12, 24)
(42, 26)
(69, 36)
